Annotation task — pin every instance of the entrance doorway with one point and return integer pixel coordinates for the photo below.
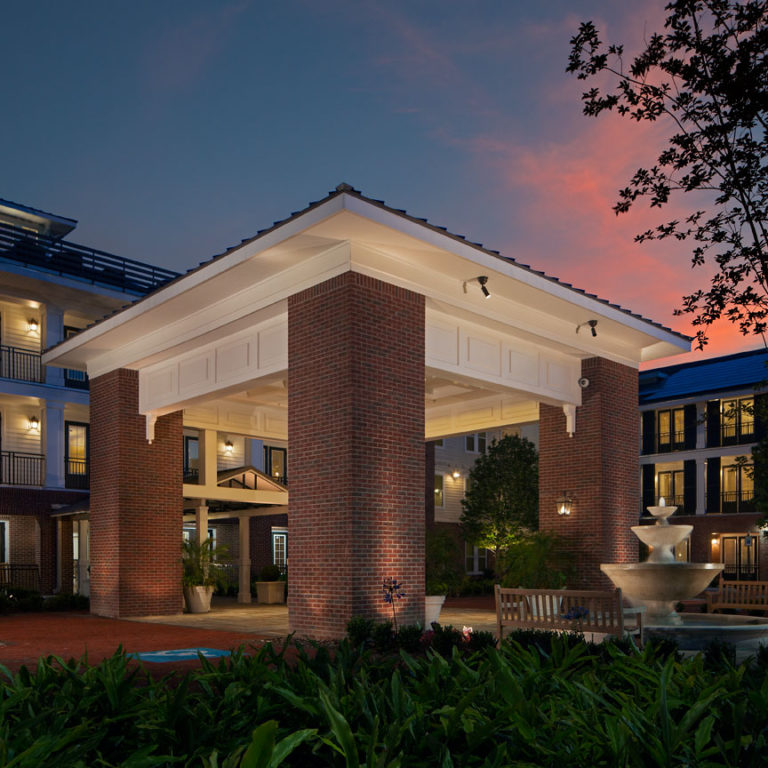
(81, 556)
(739, 555)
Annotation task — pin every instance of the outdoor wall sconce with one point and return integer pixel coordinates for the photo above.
(33, 424)
(564, 504)
(715, 540)
(33, 326)
(228, 447)
(591, 324)
(482, 280)
(455, 474)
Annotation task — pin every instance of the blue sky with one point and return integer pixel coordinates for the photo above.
(173, 129)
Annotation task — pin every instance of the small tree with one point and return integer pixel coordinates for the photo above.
(501, 505)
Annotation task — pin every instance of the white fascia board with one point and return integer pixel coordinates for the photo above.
(489, 263)
(221, 264)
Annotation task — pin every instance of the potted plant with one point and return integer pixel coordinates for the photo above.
(442, 574)
(198, 576)
(270, 588)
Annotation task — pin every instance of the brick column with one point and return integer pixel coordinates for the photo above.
(356, 437)
(598, 467)
(136, 503)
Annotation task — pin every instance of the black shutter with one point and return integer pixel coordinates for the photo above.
(689, 487)
(649, 486)
(713, 484)
(713, 424)
(649, 432)
(689, 420)
(761, 416)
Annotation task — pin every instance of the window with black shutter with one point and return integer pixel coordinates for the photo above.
(713, 485)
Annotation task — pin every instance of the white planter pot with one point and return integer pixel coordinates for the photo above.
(432, 606)
(270, 591)
(198, 599)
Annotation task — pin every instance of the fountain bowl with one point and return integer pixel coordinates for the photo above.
(657, 536)
(697, 630)
(656, 581)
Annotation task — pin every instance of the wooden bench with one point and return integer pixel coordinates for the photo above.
(744, 595)
(565, 610)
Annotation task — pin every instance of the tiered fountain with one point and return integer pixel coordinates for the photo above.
(661, 582)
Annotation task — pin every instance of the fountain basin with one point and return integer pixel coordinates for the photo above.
(697, 630)
(658, 536)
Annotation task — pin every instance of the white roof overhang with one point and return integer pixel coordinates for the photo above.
(248, 287)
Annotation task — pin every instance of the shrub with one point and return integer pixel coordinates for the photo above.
(360, 630)
(14, 600)
(65, 602)
(383, 636)
(409, 638)
(269, 573)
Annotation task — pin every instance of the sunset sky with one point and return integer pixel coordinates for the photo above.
(173, 129)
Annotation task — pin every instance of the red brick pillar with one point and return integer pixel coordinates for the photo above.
(136, 503)
(598, 467)
(66, 555)
(356, 437)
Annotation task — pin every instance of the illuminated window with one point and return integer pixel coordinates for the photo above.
(737, 421)
(76, 455)
(438, 490)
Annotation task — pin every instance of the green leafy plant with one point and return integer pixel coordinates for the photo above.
(197, 561)
(269, 573)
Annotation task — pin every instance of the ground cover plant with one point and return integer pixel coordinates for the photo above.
(538, 700)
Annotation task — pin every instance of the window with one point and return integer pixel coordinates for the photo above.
(189, 533)
(671, 429)
(275, 461)
(737, 489)
(3, 541)
(739, 554)
(438, 443)
(737, 423)
(476, 558)
(280, 548)
(475, 443)
(671, 488)
(72, 378)
(439, 491)
(191, 459)
(76, 455)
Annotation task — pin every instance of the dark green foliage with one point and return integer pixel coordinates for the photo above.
(537, 560)
(719, 656)
(574, 705)
(409, 638)
(269, 573)
(383, 636)
(705, 77)
(359, 630)
(501, 505)
(13, 600)
(64, 602)
(443, 558)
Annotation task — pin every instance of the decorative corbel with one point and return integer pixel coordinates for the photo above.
(151, 420)
(569, 409)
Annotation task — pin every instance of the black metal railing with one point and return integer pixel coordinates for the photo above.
(22, 468)
(735, 434)
(77, 474)
(192, 475)
(733, 572)
(80, 262)
(20, 576)
(732, 502)
(670, 441)
(673, 501)
(20, 364)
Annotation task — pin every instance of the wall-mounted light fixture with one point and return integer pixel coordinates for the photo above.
(715, 539)
(455, 474)
(482, 280)
(591, 324)
(228, 447)
(33, 326)
(33, 424)
(564, 504)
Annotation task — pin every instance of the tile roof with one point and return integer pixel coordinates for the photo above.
(744, 370)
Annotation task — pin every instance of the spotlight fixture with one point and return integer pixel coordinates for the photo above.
(33, 325)
(482, 280)
(591, 324)
(564, 504)
(228, 447)
(33, 424)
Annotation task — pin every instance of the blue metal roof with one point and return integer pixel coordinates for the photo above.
(744, 370)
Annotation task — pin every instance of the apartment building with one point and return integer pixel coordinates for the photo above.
(698, 427)
(50, 288)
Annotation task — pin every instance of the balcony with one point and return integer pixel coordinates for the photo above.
(87, 264)
(666, 442)
(20, 364)
(22, 468)
(737, 434)
(77, 474)
(733, 502)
